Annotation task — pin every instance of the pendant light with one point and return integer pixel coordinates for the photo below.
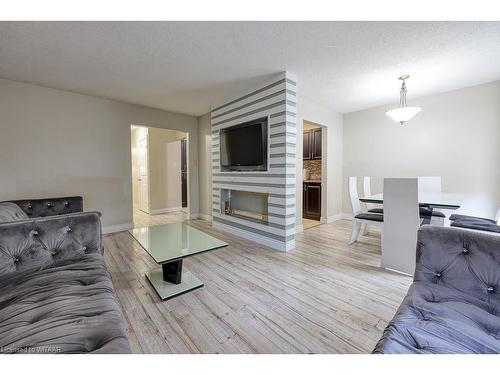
(403, 113)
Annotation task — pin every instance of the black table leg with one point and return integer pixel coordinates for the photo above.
(172, 271)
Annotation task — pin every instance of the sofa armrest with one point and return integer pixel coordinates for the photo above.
(464, 260)
(50, 206)
(47, 242)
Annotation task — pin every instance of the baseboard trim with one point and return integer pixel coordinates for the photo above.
(165, 210)
(334, 218)
(274, 244)
(345, 216)
(193, 216)
(117, 228)
(205, 217)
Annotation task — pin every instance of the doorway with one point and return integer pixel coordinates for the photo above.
(159, 171)
(312, 183)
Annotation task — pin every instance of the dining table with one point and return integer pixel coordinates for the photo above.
(428, 199)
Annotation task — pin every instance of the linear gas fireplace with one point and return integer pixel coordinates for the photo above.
(248, 205)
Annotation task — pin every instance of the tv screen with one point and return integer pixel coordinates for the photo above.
(244, 146)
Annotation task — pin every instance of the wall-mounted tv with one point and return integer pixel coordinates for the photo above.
(243, 147)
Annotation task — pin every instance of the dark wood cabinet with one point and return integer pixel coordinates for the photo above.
(316, 143)
(311, 204)
(184, 192)
(312, 144)
(184, 172)
(307, 145)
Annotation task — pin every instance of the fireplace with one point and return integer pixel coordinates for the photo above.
(247, 205)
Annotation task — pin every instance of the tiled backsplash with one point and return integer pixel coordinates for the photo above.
(314, 168)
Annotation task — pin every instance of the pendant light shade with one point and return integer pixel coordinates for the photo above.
(403, 113)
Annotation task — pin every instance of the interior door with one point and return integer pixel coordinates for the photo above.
(143, 178)
(174, 175)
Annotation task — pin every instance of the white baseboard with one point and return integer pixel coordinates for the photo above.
(334, 218)
(274, 244)
(165, 210)
(346, 216)
(117, 228)
(205, 217)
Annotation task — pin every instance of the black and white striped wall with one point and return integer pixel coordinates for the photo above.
(278, 101)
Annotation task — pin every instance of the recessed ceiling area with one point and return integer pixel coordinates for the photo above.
(188, 66)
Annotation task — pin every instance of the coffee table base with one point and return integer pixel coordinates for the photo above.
(167, 290)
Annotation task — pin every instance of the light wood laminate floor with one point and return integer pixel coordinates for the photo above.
(323, 297)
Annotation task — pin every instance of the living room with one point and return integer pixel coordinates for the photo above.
(158, 198)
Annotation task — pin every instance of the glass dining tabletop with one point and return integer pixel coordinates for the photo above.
(170, 242)
(430, 199)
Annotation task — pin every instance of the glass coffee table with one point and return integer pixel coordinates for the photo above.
(168, 245)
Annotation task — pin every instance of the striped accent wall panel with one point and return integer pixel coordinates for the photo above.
(277, 101)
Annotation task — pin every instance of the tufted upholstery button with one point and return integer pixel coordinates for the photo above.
(16, 260)
(66, 203)
(490, 289)
(465, 250)
(53, 252)
(438, 274)
(84, 249)
(49, 204)
(35, 233)
(68, 229)
(30, 207)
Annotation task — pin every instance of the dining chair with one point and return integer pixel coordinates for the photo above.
(360, 217)
(430, 184)
(401, 223)
(370, 207)
(482, 220)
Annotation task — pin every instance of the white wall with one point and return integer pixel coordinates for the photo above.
(332, 123)
(205, 170)
(456, 136)
(56, 143)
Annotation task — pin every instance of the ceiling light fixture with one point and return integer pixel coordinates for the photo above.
(403, 113)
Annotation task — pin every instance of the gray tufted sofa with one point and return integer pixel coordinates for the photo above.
(56, 295)
(453, 305)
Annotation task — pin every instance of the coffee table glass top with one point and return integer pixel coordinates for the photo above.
(169, 242)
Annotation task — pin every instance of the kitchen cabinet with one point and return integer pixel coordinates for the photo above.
(311, 203)
(312, 144)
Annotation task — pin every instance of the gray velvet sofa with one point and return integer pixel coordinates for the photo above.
(56, 294)
(453, 305)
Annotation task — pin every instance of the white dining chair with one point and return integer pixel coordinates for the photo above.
(431, 184)
(360, 217)
(401, 223)
(370, 207)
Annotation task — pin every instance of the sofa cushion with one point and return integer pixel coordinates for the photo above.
(70, 308)
(437, 319)
(11, 212)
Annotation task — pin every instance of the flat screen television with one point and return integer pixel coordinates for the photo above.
(243, 147)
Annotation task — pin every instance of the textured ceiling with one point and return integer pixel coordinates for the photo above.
(188, 66)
